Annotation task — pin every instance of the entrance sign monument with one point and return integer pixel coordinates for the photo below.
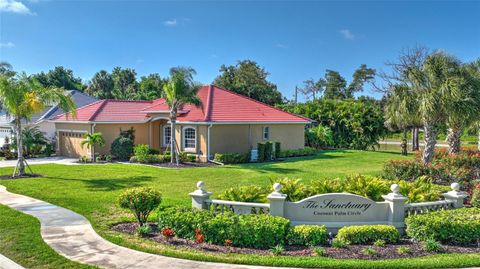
(334, 210)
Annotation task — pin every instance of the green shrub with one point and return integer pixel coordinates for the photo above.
(261, 231)
(278, 149)
(144, 230)
(261, 148)
(320, 251)
(141, 201)
(308, 235)
(48, 151)
(367, 186)
(108, 158)
(368, 234)
(293, 188)
(192, 158)
(153, 151)
(184, 221)
(319, 137)
(268, 151)
(122, 148)
(456, 226)
(141, 151)
(475, 201)
(277, 250)
(306, 151)
(357, 124)
(151, 159)
(432, 245)
(253, 194)
(229, 158)
(369, 251)
(404, 250)
(379, 243)
(339, 243)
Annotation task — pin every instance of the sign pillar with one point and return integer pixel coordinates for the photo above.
(277, 201)
(455, 195)
(200, 196)
(396, 212)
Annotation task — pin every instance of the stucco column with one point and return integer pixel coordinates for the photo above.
(200, 196)
(396, 207)
(455, 195)
(277, 201)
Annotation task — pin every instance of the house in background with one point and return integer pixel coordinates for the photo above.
(225, 123)
(41, 119)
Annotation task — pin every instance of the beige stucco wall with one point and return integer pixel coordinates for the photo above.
(243, 138)
(112, 131)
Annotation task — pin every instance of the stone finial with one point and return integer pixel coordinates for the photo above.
(201, 186)
(455, 186)
(277, 187)
(395, 188)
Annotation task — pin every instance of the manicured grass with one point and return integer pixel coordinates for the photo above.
(20, 240)
(93, 190)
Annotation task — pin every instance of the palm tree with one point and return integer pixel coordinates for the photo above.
(22, 97)
(401, 111)
(92, 140)
(178, 91)
(430, 82)
(462, 103)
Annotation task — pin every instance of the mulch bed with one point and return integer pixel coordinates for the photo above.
(183, 165)
(7, 177)
(350, 252)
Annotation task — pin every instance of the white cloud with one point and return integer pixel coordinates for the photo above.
(172, 22)
(347, 34)
(14, 6)
(7, 45)
(281, 46)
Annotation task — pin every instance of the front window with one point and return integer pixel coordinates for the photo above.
(167, 135)
(189, 138)
(266, 133)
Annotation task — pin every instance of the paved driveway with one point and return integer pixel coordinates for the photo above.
(57, 160)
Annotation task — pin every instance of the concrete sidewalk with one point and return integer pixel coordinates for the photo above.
(46, 160)
(6, 263)
(72, 236)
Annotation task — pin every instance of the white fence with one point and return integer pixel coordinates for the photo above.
(334, 210)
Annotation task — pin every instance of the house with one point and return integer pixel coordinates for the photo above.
(41, 119)
(225, 123)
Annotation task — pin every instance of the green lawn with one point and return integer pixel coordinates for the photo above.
(92, 190)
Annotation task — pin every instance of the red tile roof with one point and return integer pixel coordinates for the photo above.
(218, 105)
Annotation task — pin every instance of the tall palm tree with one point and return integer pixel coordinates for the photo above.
(92, 140)
(178, 91)
(22, 97)
(462, 103)
(431, 84)
(401, 111)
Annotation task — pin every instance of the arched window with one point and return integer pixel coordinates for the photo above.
(167, 135)
(189, 138)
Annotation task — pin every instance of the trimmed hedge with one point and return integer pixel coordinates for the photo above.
(232, 157)
(308, 235)
(367, 234)
(122, 148)
(151, 159)
(261, 148)
(306, 151)
(260, 231)
(456, 226)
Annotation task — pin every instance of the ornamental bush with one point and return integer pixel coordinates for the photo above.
(252, 193)
(278, 149)
(151, 158)
(141, 151)
(308, 235)
(456, 226)
(367, 234)
(122, 148)
(260, 231)
(306, 151)
(475, 201)
(268, 151)
(141, 201)
(261, 148)
(229, 158)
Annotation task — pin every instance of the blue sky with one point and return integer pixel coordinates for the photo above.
(294, 41)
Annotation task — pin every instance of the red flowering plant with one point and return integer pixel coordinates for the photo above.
(168, 233)
(228, 242)
(199, 237)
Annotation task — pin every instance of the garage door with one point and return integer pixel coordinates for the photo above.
(4, 132)
(69, 144)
